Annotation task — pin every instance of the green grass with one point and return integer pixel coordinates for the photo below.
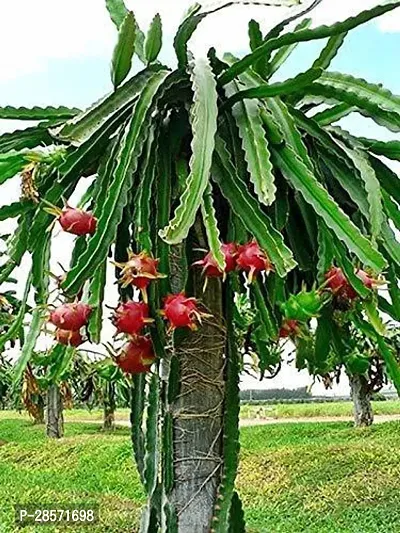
(321, 478)
(314, 478)
(310, 410)
(86, 466)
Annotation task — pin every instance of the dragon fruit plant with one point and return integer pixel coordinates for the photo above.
(208, 170)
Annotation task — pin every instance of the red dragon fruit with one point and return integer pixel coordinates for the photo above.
(72, 220)
(137, 356)
(289, 328)
(77, 222)
(131, 317)
(140, 270)
(71, 316)
(340, 286)
(181, 311)
(253, 260)
(209, 264)
(69, 338)
(336, 280)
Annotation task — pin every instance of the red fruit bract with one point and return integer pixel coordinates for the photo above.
(69, 338)
(131, 317)
(77, 222)
(139, 270)
(336, 280)
(339, 284)
(366, 279)
(71, 316)
(289, 328)
(253, 260)
(181, 311)
(210, 268)
(137, 356)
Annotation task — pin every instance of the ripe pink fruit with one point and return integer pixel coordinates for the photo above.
(339, 284)
(253, 260)
(77, 222)
(140, 270)
(210, 268)
(131, 317)
(69, 338)
(71, 316)
(289, 328)
(181, 311)
(137, 356)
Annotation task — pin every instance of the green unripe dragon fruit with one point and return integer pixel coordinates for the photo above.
(303, 306)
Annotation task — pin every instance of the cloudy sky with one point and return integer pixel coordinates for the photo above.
(57, 52)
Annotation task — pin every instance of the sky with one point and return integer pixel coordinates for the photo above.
(57, 52)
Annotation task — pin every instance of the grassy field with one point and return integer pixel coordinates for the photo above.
(314, 478)
(278, 411)
(310, 410)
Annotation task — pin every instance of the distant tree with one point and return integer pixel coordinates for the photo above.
(275, 394)
(100, 384)
(5, 381)
(361, 356)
